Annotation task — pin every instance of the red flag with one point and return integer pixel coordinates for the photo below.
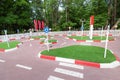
(91, 20)
(36, 25)
(39, 24)
(42, 25)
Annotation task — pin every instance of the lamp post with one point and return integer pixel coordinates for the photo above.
(6, 38)
(82, 26)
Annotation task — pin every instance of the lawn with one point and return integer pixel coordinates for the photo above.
(50, 40)
(78, 52)
(38, 37)
(13, 44)
(87, 37)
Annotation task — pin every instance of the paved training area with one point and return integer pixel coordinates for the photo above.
(24, 64)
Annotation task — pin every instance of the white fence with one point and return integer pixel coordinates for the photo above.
(27, 35)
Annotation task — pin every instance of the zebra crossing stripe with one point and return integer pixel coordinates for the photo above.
(71, 65)
(54, 78)
(22, 66)
(2, 60)
(70, 73)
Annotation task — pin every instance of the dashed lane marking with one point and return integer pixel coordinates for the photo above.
(2, 60)
(70, 73)
(71, 65)
(24, 67)
(54, 78)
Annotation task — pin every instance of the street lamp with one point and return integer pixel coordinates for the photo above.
(82, 26)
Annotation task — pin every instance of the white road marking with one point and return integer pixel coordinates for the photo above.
(85, 43)
(70, 73)
(54, 78)
(65, 60)
(71, 65)
(24, 67)
(63, 43)
(2, 60)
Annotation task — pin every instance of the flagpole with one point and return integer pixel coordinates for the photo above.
(101, 32)
(91, 27)
(30, 37)
(106, 43)
(47, 42)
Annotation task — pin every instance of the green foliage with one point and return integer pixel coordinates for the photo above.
(68, 24)
(14, 15)
(19, 14)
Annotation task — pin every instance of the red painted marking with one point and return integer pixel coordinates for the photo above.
(111, 40)
(56, 35)
(12, 39)
(95, 35)
(117, 58)
(36, 38)
(97, 40)
(17, 46)
(81, 40)
(2, 50)
(71, 38)
(54, 42)
(84, 34)
(64, 35)
(47, 57)
(41, 42)
(22, 37)
(73, 34)
(110, 34)
(97, 65)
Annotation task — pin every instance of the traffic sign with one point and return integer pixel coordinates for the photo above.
(46, 29)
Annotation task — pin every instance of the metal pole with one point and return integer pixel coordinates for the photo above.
(6, 37)
(47, 42)
(106, 44)
(82, 27)
(101, 32)
(30, 37)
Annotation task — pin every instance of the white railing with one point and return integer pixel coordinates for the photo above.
(27, 35)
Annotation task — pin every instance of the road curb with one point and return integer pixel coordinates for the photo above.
(87, 35)
(49, 43)
(100, 41)
(113, 64)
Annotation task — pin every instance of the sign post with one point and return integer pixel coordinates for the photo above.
(91, 27)
(101, 32)
(6, 37)
(106, 43)
(82, 27)
(30, 36)
(46, 30)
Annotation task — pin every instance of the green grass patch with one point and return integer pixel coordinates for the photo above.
(87, 37)
(13, 44)
(50, 40)
(38, 37)
(78, 52)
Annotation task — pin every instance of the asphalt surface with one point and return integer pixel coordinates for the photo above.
(24, 64)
